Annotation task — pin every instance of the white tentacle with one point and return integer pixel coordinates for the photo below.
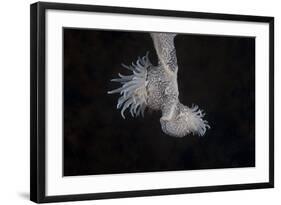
(133, 90)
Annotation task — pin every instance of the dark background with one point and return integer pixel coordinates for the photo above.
(215, 72)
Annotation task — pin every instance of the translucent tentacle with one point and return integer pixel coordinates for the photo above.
(133, 90)
(197, 124)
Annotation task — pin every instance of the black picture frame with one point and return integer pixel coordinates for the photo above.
(38, 101)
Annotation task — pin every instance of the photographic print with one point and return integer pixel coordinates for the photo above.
(130, 102)
(147, 101)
